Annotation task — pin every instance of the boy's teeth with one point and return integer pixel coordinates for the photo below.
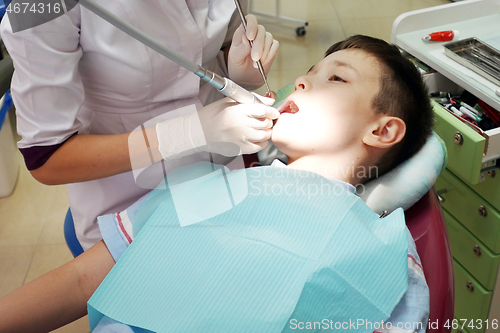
(289, 107)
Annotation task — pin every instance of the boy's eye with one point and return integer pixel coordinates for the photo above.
(337, 78)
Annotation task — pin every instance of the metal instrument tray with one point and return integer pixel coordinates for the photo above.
(477, 56)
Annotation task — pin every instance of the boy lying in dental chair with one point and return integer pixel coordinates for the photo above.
(363, 105)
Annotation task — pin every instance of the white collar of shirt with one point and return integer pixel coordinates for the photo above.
(346, 186)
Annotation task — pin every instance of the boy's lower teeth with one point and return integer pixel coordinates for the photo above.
(293, 108)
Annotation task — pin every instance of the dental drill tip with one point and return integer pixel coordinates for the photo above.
(261, 70)
(271, 94)
(267, 86)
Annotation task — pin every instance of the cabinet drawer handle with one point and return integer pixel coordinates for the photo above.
(470, 286)
(482, 211)
(439, 194)
(458, 138)
(477, 250)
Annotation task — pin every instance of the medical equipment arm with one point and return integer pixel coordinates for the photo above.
(223, 85)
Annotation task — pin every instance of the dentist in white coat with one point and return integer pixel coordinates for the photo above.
(81, 86)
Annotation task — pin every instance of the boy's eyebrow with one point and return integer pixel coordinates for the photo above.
(338, 64)
(344, 64)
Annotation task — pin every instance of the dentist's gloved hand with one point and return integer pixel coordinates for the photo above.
(224, 127)
(242, 58)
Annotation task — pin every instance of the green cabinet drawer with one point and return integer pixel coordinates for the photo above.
(472, 301)
(489, 189)
(471, 253)
(464, 159)
(466, 206)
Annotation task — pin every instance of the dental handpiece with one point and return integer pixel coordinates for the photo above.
(225, 86)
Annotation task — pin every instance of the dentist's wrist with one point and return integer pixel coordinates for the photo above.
(180, 136)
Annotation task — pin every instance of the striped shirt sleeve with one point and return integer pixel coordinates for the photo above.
(412, 312)
(117, 228)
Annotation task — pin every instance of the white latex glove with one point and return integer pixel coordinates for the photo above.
(242, 58)
(224, 127)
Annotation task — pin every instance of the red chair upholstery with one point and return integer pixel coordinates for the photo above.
(426, 223)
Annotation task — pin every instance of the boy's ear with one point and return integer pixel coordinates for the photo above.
(386, 132)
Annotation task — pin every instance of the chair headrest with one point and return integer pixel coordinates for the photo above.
(407, 183)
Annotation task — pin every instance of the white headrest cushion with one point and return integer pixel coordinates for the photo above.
(404, 185)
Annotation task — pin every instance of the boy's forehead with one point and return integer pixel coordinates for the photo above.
(330, 63)
(357, 60)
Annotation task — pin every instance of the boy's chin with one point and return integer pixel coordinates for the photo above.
(282, 145)
(276, 138)
(282, 135)
(277, 142)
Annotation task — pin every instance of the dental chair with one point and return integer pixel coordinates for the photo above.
(70, 235)
(426, 224)
(408, 186)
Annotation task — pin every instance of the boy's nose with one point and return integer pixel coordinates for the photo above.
(301, 83)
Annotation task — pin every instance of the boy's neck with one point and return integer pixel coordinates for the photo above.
(349, 170)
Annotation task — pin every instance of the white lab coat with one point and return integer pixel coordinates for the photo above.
(78, 73)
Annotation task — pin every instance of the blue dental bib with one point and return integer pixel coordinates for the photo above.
(255, 250)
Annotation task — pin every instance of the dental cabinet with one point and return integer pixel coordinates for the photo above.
(469, 188)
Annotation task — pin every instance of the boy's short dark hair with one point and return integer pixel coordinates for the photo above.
(402, 94)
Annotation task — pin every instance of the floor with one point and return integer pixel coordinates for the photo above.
(31, 219)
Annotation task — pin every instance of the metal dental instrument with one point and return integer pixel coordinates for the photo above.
(223, 85)
(244, 23)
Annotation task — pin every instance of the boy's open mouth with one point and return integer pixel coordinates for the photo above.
(288, 107)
